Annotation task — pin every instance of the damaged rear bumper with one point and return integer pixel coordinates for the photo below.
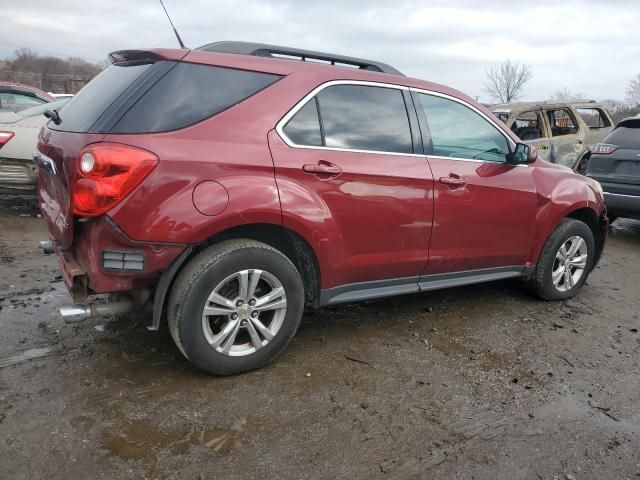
(88, 266)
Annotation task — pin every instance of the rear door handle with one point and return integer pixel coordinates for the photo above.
(453, 181)
(322, 168)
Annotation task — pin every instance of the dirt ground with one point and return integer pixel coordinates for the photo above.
(481, 382)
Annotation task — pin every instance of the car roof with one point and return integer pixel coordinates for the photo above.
(518, 107)
(322, 72)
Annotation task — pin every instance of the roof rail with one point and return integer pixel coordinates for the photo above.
(275, 51)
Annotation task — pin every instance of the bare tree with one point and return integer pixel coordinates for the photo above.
(633, 91)
(505, 82)
(566, 95)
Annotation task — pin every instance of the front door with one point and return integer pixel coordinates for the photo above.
(351, 173)
(484, 213)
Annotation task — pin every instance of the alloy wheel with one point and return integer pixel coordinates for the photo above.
(569, 264)
(244, 312)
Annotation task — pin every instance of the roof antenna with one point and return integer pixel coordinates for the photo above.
(173, 26)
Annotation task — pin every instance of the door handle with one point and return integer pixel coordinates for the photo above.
(322, 168)
(453, 181)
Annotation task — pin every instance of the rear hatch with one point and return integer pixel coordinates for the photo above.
(85, 119)
(616, 162)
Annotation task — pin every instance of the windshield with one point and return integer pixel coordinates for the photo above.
(39, 110)
(14, 102)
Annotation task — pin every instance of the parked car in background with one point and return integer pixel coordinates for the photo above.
(15, 97)
(615, 163)
(61, 95)
(271, 185)
(562, 132)
(18, 140)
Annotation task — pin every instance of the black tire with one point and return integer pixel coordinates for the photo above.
(196, 281)
(542, 282)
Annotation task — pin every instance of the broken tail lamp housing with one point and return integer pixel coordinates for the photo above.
(124, 261)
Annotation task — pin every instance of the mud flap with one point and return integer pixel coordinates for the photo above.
(163, 287)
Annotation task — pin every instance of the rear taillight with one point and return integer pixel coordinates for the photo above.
(603, 148)
(108, 172)
(5, 137)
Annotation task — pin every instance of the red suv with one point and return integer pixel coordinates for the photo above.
(230, 187)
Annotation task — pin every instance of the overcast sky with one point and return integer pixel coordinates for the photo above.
(589, 47)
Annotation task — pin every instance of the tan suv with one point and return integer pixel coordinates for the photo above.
(562, 132)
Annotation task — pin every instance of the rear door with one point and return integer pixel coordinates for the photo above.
(350, 170)
(567, 139)
(484, 213)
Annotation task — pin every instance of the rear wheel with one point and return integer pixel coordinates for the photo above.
(565, 262)
(235, 307)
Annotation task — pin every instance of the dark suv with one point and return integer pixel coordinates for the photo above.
(233, 186)
(615, 163)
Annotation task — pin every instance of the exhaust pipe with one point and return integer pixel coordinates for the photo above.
(79, 312)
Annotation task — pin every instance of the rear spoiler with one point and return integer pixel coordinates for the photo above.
(136, 57)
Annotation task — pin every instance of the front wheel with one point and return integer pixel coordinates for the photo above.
(235, 306)
(565, 262)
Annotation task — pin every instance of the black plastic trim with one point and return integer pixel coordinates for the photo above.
(112, 115)
(166, 279)
(355, 292)
(455, 279)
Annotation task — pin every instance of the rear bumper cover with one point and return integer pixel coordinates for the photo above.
(619, 204)
(18, 174)
(82, 264)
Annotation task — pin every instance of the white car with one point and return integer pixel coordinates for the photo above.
(18, 139)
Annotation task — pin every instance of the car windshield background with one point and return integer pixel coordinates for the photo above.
(15, 102)
(562, 122)
(359, 117)
(528, 126)
(190, 93)
(594, 117)
(459, 132)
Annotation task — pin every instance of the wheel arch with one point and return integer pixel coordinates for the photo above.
(290, 243)
(590, 217)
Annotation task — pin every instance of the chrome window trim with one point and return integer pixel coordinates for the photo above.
(298, 106)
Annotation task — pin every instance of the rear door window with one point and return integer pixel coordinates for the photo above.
(625, 137)
(528, 126)
(562, 122)
(359, 117)
(594, 117)
(190, 93)
(457, 131)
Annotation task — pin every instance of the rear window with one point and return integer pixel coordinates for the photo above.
(188, 94)
(625, 137)
(82, 111)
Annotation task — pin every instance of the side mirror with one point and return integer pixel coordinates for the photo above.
(523, 154)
